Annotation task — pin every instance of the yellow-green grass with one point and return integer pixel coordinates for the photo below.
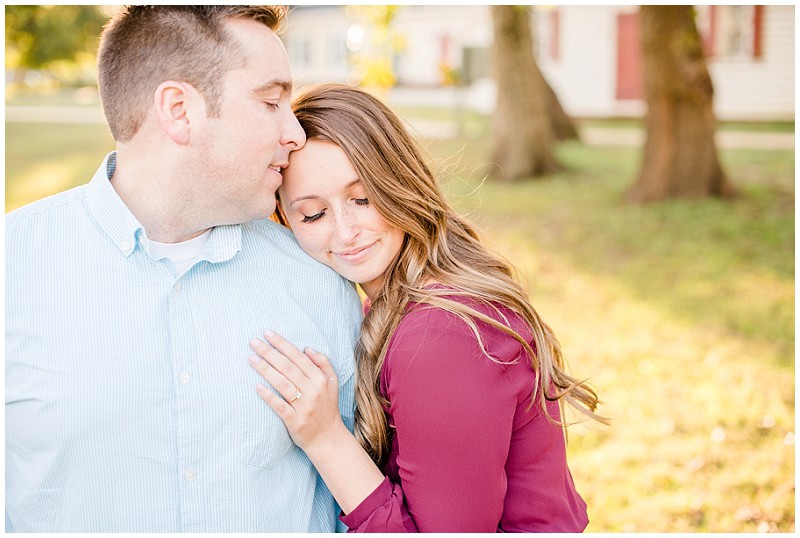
(45, 158)
(681, 314)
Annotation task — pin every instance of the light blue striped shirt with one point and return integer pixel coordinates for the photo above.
(130, 404)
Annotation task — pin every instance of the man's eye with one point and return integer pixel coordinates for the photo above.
(313, 218)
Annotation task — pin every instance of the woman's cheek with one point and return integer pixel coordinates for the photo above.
(312, 242)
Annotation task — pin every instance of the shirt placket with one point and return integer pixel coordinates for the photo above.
(189, 422)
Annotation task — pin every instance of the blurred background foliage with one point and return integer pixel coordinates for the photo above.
(372, 65)
(681, 313)
(58, 42)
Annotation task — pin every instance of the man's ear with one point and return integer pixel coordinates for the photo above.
(173, 102)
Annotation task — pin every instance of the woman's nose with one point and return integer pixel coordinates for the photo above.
(346, 228)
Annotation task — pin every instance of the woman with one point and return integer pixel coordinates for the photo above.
(460, 384)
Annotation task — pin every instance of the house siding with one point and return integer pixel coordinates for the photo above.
(584, 74)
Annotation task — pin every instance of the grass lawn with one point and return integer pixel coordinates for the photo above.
(43, 158)
(681, 314)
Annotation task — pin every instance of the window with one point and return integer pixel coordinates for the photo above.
(731, 32)
(546, 26)
(475, 64)
(299, 50)
(336, 51)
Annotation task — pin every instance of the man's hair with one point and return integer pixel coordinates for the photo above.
(142, 46)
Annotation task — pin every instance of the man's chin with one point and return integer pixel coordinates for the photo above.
(265, 212)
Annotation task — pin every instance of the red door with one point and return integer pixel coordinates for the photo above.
(629, 57)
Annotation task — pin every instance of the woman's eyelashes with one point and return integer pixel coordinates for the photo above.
(316, 216)
(312, 218)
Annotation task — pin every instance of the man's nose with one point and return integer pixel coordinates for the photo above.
(293, 135)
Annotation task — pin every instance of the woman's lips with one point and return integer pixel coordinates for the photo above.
(355, 254)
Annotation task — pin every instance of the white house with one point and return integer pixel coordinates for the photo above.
(589, 54)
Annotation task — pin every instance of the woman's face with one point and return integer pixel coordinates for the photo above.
(327, 207)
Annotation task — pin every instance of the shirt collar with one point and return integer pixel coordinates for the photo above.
(125, 230)
(223, 243)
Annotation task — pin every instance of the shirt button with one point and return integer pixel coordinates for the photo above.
(190, 474)
(185, 377)
(178, 286)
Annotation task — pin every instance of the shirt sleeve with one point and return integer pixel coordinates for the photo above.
(453, 410)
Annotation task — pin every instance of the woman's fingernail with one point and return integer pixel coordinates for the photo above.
(254, 360)
(269, 334)
(260, 388)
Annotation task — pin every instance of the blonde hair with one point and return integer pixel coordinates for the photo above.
(439, 246)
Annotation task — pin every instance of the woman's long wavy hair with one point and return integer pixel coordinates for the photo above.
(439, 246)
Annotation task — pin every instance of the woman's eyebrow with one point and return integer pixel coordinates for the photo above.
(314, 196)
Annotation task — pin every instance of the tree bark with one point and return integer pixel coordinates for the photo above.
(522, 135)
(562, 125)
(680, 153)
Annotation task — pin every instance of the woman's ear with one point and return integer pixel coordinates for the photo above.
(173, 102)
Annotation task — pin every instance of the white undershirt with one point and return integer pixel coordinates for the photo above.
(181, 255)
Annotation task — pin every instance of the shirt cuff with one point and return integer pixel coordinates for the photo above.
(381, 496)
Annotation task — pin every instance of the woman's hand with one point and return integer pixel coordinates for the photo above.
(308, 386)
(309, 408)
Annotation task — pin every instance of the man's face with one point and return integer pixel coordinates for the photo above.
(240, 152)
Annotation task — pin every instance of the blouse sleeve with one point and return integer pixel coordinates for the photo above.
(453, 409)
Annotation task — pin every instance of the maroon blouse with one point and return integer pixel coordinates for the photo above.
(467, 455)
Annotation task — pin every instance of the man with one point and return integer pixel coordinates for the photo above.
(131, 300)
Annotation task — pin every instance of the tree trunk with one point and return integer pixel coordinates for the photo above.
(562, 125)
(680, 154)
(522, 136)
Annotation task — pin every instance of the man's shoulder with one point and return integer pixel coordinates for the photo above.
(277, 246)
(268, 234)
(268, 227)
(62, 202)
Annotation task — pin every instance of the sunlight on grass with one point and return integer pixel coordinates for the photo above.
(668, 387)
(42, 180)
(685, 407)
(43, 159)
(681, 314)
